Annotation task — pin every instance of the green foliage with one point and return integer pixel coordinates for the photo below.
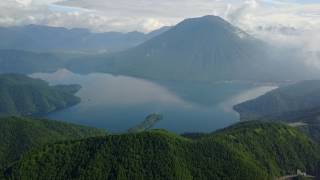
(18, 135)
(278, 148)
(21, 95)
(251, 150)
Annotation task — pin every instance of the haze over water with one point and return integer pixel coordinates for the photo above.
(117, 103)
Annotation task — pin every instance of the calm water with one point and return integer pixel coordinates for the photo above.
(117, 103)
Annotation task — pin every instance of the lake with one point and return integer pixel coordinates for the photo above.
(117, 103)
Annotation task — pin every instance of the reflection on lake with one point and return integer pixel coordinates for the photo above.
(117, 103)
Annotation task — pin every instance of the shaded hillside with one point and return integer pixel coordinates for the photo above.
(45, 38)
(18, 135)
(297, 102)
(22, 95)
(16, 61)
(250, 150)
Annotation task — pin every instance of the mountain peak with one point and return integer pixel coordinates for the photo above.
(209, 26)
(208, 20)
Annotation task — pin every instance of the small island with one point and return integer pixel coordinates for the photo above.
(147, 124)
(21, 95)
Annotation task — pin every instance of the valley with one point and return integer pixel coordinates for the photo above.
(202, 98)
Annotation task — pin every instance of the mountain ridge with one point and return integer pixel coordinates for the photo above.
(248, 150)
(40, 38)
(21, 134)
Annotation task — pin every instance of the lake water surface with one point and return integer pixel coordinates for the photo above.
(117, 103)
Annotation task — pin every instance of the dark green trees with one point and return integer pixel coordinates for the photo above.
(22, 95)
(19, 135)
(251, 150)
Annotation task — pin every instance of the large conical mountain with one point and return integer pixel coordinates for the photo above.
(205, 48)
(199, 49)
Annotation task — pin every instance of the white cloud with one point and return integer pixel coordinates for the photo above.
(146, 15)
(260, 17)
(24, 2)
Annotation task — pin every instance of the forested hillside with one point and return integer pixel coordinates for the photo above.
(18, 135)
(22, 95)
(249, 150)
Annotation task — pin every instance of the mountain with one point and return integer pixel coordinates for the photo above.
(249, 150)
(19, 135)
(297, 104)
(290, 103)
(16, 61)
(22, 95)
(198, 49)
(157, 32)
(45, 38)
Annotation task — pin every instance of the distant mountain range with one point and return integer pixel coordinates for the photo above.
(25, 62)
(44, 38)
(204, 49)
(198, 49)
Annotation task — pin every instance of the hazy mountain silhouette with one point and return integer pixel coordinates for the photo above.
(206, 49)
(45, 38)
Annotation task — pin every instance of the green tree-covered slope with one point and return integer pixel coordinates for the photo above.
(22, 95)
(249, 150)
(18, 135)
(297, 103)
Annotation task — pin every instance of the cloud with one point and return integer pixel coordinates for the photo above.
(286, 25)
(104, 15)
(147, 15)
(24, 2)
(273, 13)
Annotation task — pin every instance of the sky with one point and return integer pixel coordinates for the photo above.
(148, 15)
